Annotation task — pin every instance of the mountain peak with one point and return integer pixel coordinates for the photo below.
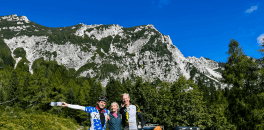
(14, 17)
(108, 51)
(99, 31)
(151, 26)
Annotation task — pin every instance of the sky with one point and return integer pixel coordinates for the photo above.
(197, 27)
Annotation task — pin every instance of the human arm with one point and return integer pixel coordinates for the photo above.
(141, 119)
(108, 118)
(139, 114)
(73, 106)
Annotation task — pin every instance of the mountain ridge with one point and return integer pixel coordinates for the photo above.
(104, 51)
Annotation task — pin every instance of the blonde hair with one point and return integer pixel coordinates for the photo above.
(115, 103)
(125, 94)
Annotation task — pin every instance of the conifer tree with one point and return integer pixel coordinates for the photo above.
(136, 94)
(262, 49)
(13, 90)
(127, 85)
(73, 85)
(164, 109)
(188, 104)
(114, 90)
(56, 78)
(148, 101)
(240, 73)
(197, 114)
(71, 96)
(1, 95)
(73, 90)
(179, 97)
(93, 99)
(84, 94)
(96, 91)
(23, 79)
(203, 89)
(5, 76)
(5, 54)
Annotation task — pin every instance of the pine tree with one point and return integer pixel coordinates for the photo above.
(96, 91)
(127, 85)
(197, 114)
(188, 105)
(205, 90)
(71, 96)
(179, 97)
(73, 90)
(1, 95)
(241, 73)
(136, 94)
(114, 90)
(84, 94)
(216, 111)
(148, 101)
(93, 99)
(23, 79)
(5, 76)
(164, 108)
(5, 54)
(262, 50)
(13, 90)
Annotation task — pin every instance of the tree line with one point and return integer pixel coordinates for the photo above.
(181, 103)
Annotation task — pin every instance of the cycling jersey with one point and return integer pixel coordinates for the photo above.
(95, 116)
(129, 116)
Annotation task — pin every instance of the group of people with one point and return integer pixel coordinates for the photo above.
(99, 116)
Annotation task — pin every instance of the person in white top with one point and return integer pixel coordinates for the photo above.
(129, 113)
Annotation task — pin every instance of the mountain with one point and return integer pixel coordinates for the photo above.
(104, 51)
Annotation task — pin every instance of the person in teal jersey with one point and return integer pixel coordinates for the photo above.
(98, 114)
(114, 118)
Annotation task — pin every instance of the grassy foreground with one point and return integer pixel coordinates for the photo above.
(25, 120)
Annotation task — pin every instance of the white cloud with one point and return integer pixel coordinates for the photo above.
(253, 8)
(260, 39)
(163, 2)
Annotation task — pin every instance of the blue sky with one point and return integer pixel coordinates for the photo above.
(197, 27)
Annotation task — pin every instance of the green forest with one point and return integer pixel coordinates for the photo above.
(25, 98)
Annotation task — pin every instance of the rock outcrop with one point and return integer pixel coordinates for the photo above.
(138, 51)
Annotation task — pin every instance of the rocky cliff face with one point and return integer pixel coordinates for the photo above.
(205, 66)
(105, 51)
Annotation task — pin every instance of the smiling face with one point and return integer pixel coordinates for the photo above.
(126, 99)
(114, 107)
(101, 104)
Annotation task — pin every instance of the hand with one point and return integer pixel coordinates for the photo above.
(122, 105)
(64, 104)
(108, 117)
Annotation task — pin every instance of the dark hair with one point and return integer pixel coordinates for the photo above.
(102, 98)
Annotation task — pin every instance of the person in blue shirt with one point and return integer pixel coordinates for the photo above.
(98, 114)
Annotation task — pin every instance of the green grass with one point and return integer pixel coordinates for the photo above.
(18, 120)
